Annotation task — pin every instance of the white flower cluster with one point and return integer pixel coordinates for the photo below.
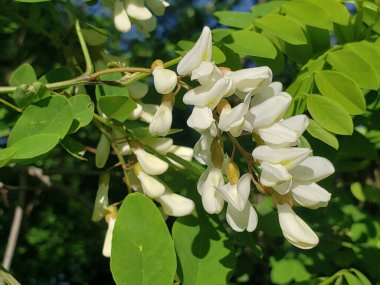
(140, 12)
(288, 173)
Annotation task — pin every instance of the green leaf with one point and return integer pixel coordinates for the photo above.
(308, 14)
(351, 279)
(367, 51)
(143, 249)
(217, 55)
(108, 90)
(363, 279)
(204, 251)
(52, 115)
(94, 37)
(342, 89)
(7, 277)
(73, 147)
(101, 200)
(219, 34)
(316, 131)
(24, 74)
(234, 19)
(329, 114)
(286, 270)
(262, 9)
(336, 10)
(117, 107)
(282, 27)
(6, 155)
(83, 110)
(34, 146)
(250, 43)
(56, 74)
(355, 67)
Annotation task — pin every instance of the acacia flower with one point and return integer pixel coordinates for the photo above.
(151, 164)
(162, 120)
(174, 204)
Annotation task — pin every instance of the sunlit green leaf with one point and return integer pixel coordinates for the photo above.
(143, 251)
(234, 19)
(83, 109)
(316, 131)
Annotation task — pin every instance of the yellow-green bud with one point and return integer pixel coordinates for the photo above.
(233, 173)
(217, 155)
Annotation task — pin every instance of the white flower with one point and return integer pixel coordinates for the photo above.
(287, 157)
(175, 205)
(107, 246)
(275, 176)
(232, 119)
(202, 148)
(150, 185)
(240, 213)
(251, 79)
(137, 10)
(121, 19)
(162, 120)
(148, 112)
(212, 200)
(209, 95)
(149, 163)
(201, 119)
(161, 145)
(186, 153)
(206, 73)
(136, 113)
(165, 80)
(201, 51)
(304, 190)
(267, 112)
(294, 229)
(284, 133)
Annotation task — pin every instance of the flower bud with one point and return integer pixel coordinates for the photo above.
(162, 120)
(217, 155)
(137, 10)
(233, 173)
(295, 230)
(175, 205)
(121, 19)
(149, 163)
(150, 185)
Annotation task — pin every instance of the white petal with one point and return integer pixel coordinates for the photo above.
(183, 152)
(121, 19)
(165, 80)
(175, 205)
(231, 118)
(161, 145)
(151, 186)
(273, 174)
(207, 96)
(202, 148)
(241, 220)
(137, 90)
(200, 119)
(313, 169)
(288, 157)
(201, 51)
(148, 111)
(268, 112)
(278, 135)
(252, 79)
(162, 120)
(206, 73)
(157, 6)
(136, 113)
(108, 239)
(137, 10)
(237, 194)
(311, 195)
(295, 230)
(211, 199)
(150, 163)
(296, 123)
(284, 187)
